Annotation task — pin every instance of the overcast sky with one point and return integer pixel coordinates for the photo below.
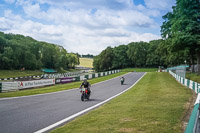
(85, 26)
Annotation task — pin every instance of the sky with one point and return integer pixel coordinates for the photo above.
(85, 26)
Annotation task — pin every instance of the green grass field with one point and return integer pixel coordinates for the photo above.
(140, 69)
(193, 76)
(155, 105)
(18, 73)
(58, 87)
(86, 62)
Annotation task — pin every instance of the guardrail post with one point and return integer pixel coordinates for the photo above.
(193, 85)
(188, 83)
(93, 75)
(87, 76)
(77, 78)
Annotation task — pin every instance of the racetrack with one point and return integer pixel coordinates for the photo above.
(32, 113)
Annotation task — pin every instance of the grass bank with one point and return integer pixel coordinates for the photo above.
(18, 73)
(193, 76)
(140, 69)
(58, 87)
(86, 62)
(156, 104)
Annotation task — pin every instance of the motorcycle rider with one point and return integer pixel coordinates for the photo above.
(122, 80)
(86, 85)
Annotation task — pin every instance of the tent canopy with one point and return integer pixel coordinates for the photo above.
(49, 70)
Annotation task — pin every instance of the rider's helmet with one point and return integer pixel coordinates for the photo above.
(85, 79)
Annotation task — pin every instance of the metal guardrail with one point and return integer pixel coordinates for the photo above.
(58, 75)
(196, 128)
(25, 84)
(193, 125)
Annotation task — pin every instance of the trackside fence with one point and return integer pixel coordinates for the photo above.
(19, 85)
(193, 124)
(57, 75)
(88, 76)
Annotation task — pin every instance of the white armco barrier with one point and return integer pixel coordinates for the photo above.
(89, 76)
(189, 83)
(82, 77)
(35, 83)
(96, 75)
(17, 85)
(9, 86)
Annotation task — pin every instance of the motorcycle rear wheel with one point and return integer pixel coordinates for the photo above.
(88, 97)
(82, 97)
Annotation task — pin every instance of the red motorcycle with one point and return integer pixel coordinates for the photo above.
(85, 94)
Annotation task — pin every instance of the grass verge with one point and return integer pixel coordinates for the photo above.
(193, 76)
(55, 88)
(18, 73)
(155, 104)
(140, 69)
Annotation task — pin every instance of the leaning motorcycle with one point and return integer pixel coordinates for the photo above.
(84, 94)
(122, 81)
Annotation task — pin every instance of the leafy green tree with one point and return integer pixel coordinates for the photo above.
(2, 43)
(103, 61)
(30, 61)
(97, 63)
(120, 59)
(153, 57)
(7, 58)
(18, 51)
(72, 59)
(107, 57)
(137, 53)
(182, 28)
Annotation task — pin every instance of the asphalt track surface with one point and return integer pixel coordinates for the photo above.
(33, 113)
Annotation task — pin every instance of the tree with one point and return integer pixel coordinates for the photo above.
(103, 61)
(72, 59)
(97, 63)
(17, 51)
(120, 59)
(137, 53)
(182, 28)
(153, 57)
(7, 58)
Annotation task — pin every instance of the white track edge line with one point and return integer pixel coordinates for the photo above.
(84, 111)
(56, 91)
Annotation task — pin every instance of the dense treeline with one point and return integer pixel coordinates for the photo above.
(18, 51)
(87, 56)
(181, 42)
(137, 54)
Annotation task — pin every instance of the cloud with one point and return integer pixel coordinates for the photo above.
(99, 19)
(32, 10)
(83, 27)
(4, 24)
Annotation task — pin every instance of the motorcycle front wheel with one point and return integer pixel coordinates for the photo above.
(82, 97)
